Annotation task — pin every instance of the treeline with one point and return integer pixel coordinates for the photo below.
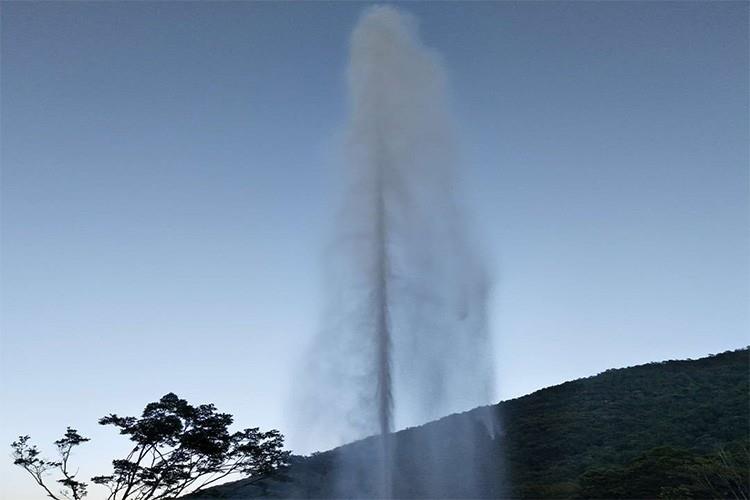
(582, 437)
(674, 429)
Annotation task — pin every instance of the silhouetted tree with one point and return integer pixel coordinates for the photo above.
(27, 456)
(179, 448)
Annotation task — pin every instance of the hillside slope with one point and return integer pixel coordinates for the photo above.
(673, 429)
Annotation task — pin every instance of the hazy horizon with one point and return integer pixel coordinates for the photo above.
(168, 188)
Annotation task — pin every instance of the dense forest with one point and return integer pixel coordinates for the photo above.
(674, 429)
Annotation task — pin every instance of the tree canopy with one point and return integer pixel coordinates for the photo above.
(177, 448)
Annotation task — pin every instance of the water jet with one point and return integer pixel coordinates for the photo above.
(405, 337)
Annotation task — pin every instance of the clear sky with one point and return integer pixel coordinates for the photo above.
(167, 187)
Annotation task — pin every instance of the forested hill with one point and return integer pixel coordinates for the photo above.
(674, 429)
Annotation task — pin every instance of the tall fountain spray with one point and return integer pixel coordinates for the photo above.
(404, 337)
(382, 327)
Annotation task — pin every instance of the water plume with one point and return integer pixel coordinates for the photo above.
(404, 337)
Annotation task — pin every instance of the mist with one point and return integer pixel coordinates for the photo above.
(404, 336)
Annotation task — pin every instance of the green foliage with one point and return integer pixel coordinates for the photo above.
(675, 429)
(605, 422)
(662, 472)
(667, 472)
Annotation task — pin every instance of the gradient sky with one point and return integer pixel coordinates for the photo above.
(168, 177)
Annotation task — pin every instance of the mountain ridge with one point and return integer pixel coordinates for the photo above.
(568, 440)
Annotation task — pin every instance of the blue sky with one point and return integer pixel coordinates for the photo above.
(168, 186)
